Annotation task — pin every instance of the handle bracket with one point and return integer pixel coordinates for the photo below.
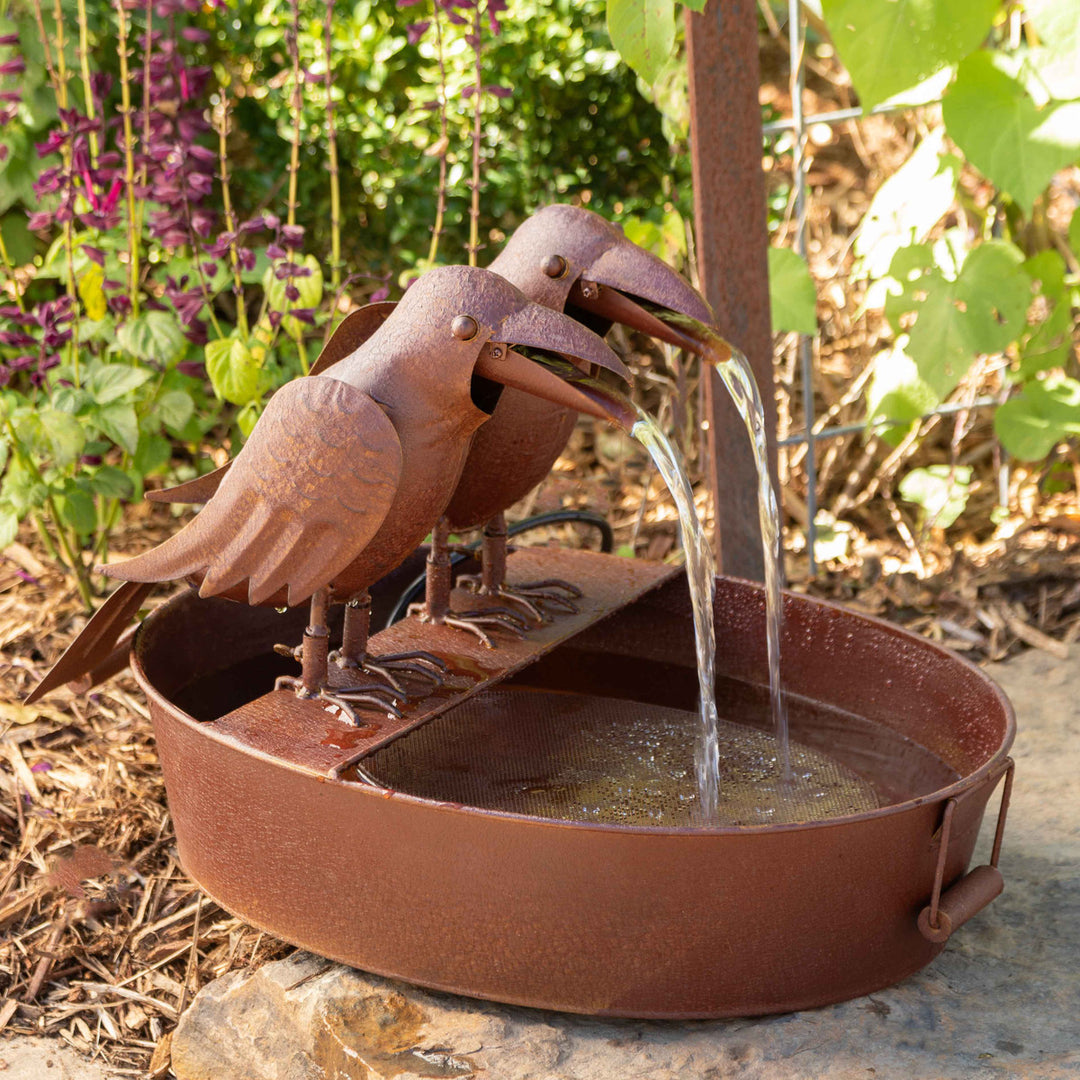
(948, 911)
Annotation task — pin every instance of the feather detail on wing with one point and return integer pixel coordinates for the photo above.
(309, 490)
(199, 490)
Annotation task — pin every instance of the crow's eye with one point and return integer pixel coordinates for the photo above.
(464, 327)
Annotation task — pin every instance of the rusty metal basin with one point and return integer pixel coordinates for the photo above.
(616, 920)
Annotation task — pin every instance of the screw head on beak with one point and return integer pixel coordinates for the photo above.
(554, 266)
(589, 290)
(464, 328)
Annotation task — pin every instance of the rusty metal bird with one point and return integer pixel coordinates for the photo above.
(347, 471)
(573, 260)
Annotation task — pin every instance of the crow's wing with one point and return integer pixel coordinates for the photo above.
(302, 499)
(354, 330)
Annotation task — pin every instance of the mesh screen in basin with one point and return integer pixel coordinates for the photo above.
(574, 757)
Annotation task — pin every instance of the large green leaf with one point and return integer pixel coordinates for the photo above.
(907, 206)
(792, 296)
(890, 46)
(154, 335)
(1004, 134)
(233, 371)
(643, 31)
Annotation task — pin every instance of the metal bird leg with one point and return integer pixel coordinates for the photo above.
(353, 652)
(314, 678)
(531, 596)
(436, 606)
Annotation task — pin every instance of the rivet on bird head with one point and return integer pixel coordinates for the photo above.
(464, 327)
(589, 290)
(496, 352)
(553, 265)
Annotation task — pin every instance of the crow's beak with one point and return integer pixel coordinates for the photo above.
(631, 286)
(555, 379)
(537, 327)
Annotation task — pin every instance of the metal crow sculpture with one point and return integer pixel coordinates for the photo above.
(568, 259)
(347, 471)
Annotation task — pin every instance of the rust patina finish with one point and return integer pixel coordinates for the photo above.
(615, 920)
(347, 471)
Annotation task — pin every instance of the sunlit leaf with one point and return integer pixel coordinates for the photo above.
(643, 31)
(233, 371)
(154, 335)
(907, 206)
(792, 296)
(111, 381)
(1047, 410)
(1015, 144)
(941, 491)
(889, 46)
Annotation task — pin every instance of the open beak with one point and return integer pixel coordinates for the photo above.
(558, 380)
(631, 286)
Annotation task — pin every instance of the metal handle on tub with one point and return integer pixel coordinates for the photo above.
(949, 911)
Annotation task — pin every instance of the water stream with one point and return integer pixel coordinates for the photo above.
(738, 379)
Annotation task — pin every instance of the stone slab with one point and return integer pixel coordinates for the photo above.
(1003, 1000)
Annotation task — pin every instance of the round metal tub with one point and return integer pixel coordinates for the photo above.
(639, 921)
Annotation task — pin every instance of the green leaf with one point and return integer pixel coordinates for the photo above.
(941, 491)
(112, 381)
(982, 310)
(1016, 145)
(17, 238)
(1056, 62)
(119, 423)
(896, 391)
(111, 482)
(154, 335)
(9, 525)
(643, 32)
(1074, 232)
(696, 5)
(310, 288)
(65, 435)
(152, 454)
(233, 370)
(1031, 424)
(889, 46)
(175, 407)
(792, 296)
(77, 509)
(247, 417)
(22, 488)
(1047, 341)
(907, 206)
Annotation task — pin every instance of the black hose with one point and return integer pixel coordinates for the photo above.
(415, 588)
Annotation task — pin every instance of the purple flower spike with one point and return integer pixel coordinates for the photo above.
(94, 254)
(14, 66)
(415, 31)
(305, 315)
(195, 33)
(9, 39)
(292, 236)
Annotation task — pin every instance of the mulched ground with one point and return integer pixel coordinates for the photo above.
(103, 940)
